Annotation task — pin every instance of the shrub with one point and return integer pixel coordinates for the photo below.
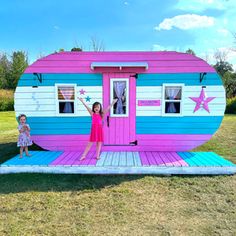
(231, 106)
(6, 100)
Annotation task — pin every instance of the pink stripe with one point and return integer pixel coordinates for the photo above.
(159, 62)
(145, 142)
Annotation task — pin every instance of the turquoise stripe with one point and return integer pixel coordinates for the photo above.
(52, 79)
(37, 158)
(185, 78)
(59, 125)
(178, 125)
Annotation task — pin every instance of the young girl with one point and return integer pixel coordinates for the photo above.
(96, 130)
(24, 137)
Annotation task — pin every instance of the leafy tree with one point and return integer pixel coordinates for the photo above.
(76, 49)
(190, 51)
(5, 66)
(222, 67)
(19, 64)
(229, 80)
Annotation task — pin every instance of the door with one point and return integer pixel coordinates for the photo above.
(119, 122)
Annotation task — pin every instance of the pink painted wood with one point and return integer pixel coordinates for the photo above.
(121, 130)
(80, 62)
(145, 142)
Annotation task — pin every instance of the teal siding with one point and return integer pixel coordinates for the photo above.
(59, 125)
(144, 125)
(185, 78)
(178, 125)
(52, 79)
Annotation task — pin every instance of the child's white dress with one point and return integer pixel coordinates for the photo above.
(24, 137)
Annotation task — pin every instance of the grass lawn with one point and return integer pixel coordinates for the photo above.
(43, 204)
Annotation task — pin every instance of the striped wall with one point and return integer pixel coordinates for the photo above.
(216, 106)
(41, 101)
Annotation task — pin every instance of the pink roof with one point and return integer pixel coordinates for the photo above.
(158, 62)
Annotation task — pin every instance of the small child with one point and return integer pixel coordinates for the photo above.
(24, 139)
(97, 130)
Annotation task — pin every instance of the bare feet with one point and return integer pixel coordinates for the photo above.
(29, 155)
(20, 156)
(98, 158)
(82, 158)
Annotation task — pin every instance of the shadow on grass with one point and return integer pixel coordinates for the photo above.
(16, 183)
(9, 150)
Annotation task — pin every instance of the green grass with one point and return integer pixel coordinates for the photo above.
(43, 204)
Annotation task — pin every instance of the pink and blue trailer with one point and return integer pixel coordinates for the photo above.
(167, 101)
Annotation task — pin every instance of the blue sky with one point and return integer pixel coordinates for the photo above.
(41, 27)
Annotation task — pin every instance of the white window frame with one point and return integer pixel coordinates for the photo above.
(57, 100)
(164, 100)
(127, 97)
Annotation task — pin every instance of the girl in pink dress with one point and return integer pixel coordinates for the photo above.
(96, 134)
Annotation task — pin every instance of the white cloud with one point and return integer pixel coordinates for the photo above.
(126, 3)
(185, 22)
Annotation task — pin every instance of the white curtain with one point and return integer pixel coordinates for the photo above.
(171, 93)
(119, 87)
(67, 93)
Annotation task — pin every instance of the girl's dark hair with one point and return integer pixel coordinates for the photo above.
(96, 104)
(21, 115)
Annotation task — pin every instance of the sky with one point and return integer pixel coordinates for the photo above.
(43, 27)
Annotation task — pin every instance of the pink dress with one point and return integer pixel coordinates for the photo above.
(96, 130)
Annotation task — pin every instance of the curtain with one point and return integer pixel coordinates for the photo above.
(68, 94)
(171, 94)
(119, 87)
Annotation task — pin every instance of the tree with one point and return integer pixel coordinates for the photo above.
(97, 45)
(229, 80)
(222, 67)
(5, 66)
(76, 49)
(19, 64)
(190, 51)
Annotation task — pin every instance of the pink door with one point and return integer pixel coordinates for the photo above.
(119, 122)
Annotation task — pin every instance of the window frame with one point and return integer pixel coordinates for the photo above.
(57, 100)
(181, 101)
(127, 97)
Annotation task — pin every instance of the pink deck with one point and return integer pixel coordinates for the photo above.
(158, 62)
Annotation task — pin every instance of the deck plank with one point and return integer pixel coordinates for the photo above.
(130, 161)
(137, 160)
(179, 159)
(165, 159)
(122, 161)
(144, 159)
(115, 160)
(108, 159)
(103, 157)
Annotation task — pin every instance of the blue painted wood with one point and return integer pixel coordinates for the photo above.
(115, 159)
(136, 158)
(130, 161)
(123, 161)
(51, 79)
(102, 159)
(189, 158)
(178, 125)
(208, 158)
(108, 159)
(185, 78)
(220, 159)
(37, 158)
(59, 125)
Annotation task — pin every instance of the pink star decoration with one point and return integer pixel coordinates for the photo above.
(202, 101)
(82, 92)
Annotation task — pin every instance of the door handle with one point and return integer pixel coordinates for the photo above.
(108, 121)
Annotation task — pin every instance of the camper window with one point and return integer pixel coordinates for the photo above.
(65, 99)
(172, 97)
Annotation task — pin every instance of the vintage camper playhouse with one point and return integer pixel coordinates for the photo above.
(167, 101)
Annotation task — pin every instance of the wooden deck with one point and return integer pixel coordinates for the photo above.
(162, 163)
